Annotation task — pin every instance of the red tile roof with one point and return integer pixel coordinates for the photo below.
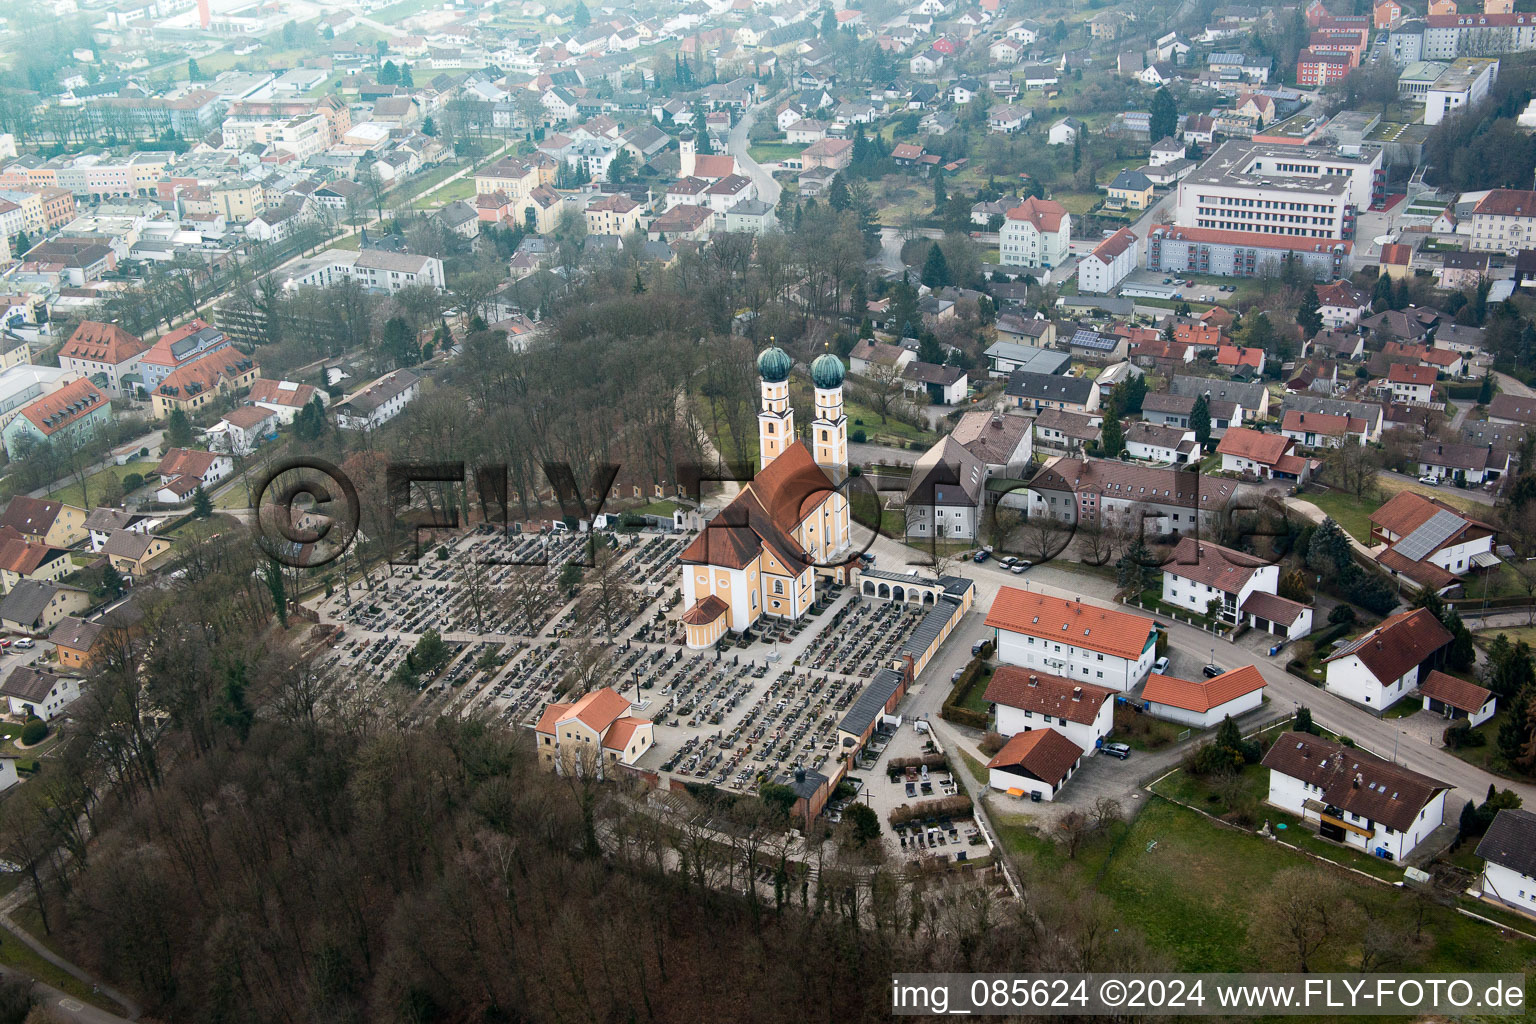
(1401, 642)
(1245, 443)
(1044, 214)
(206, 372)
(50, 413)
(1212, 565)
(1234, 355)
(766, 512)
(101, 343)
(1043, 753)
(705, 611)
(1054, 696)
(1402, 373)
(1083, 625)
(1507, 202)
(1206, 694)
(1458, 693)
(1323, 423)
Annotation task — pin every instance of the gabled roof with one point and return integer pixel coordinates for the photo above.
(1212, 565)
(1458, 693)
(1044, 754)
(34, 516)
(765, 512)
(1321, 423)
(1511, 841)
(70, 404)
(1103, 630)
(1044, 214)
(186, 462)
(29, 684)
(1402, 642)
(1205, 694)
(1245, 443)
(1053, 696)
(1353, 780)
(28, 600)
(1402, 373)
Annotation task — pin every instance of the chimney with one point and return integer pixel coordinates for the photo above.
(1077, 693)
(1358, 780)
(799, 774)
(1034, 680)
(1439, 449)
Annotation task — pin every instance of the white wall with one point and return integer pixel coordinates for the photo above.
(1004, 781)
(1288, 794)
(1207, 719)
(1349, 678)
(1075, 663)
(1509, 885)
(1012, 720)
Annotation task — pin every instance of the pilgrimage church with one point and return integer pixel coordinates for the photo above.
(761, 555)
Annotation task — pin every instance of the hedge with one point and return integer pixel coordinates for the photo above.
(953, 711)
(946, 807)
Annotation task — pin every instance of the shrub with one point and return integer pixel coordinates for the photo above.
(1342, 613)
(991, 743)
(35, 731)
(858, 436)
(1460, 735)
(133, 481)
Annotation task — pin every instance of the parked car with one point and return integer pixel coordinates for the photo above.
(4, 644)
(1211, 671)
(1427, 479)
(1119, 750)
(955, 678)
(1160, 666)
(1189, 284)
(1022, 565)
(981, 556)
(26, 643)
(1007, 561)
(976, 647)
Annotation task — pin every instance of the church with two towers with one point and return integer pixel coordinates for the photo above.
(765, 551)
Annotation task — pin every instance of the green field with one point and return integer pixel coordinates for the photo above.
(463, 188)
(772, 152)
(1353, 514)
(72, 494)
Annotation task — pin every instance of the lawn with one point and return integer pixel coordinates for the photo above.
(463, 188)
(773, 152)
(867, 419)
(1078, 203)
(72, 494)
(1352, 513)
(1142, 731)
(1205, 927)
(657, 508)
(976, 768)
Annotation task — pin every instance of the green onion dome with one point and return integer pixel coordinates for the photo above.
(774, 365)
(827, 371)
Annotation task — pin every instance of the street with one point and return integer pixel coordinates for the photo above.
(1190, 648)
(738, 146)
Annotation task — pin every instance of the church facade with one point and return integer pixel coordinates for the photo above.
(763, 554)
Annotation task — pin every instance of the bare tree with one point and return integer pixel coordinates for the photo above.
(1299, 915)
(1354, 468)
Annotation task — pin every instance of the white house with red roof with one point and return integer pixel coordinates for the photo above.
(105, 349)
(1036, 233)
(285, 398)
(1199, 572)
(592, 734)
(1203, 704)
(1457, 698)
(1429, 542)
(1109, 263)
(1025, 700)
(183, 470)
(1081, 642)
(1266, 456)
(1034, 764)
(1379, 667)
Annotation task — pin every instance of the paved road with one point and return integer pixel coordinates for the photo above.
(737, 145)
(1510, 386)
(1191, 648)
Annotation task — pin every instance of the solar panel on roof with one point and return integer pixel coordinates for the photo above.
(1433, 532)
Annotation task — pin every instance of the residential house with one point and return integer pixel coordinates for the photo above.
(285, 398)
(1504, 220)
(1157, 443)
(378, 402)
(177, 348)
(240, 430)
(1039, 391)
(183, 470)
(1381, 666)
(1508, 850)
(1038, 763)
(1064, 132)
(1205, 703)
(1463, 270)
(1411, 383)
(102, 349)
(1462, 463)
(1320, 430)
(1082, 642)
(1370, 413)
(1265, 456)
(1174, 411)
(1097, 347)
(36, 606)
(1430, 542)
(1004, 357)
(131, 552)
(1036, 233)
(1199, 572)
(1516, 410)
(1001, 442)
(1355, 798)
(1024, 701)
(946, 493)
(1252, 397)
(1067, 432)
(1239, 359)
(1130, 190)
(45, 521)
(867, 355)
(34, 691)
